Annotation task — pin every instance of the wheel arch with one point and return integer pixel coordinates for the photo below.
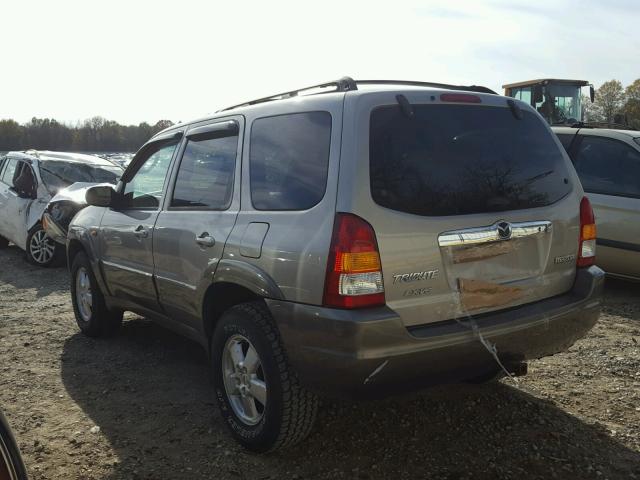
(74, 247)
(235, 282)
(219, 297)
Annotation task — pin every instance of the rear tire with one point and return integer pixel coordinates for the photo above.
(42, 250)
(4, 243)
(92, 315)
(288, 412)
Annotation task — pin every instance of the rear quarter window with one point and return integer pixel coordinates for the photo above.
(289, 160)
(463, 159)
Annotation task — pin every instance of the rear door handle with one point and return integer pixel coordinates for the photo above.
(205, 240)
(141, 232)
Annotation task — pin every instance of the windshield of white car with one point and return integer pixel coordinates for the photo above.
(57, 175)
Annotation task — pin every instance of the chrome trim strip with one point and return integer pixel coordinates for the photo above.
(474, 236)
(119, 266)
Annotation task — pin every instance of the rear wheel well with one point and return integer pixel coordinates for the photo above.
(219, 298)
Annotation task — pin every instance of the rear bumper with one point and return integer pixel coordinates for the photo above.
(370, 352)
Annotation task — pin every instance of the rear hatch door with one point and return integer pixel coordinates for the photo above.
(473, 206)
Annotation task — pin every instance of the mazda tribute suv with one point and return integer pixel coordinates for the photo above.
(354, 238)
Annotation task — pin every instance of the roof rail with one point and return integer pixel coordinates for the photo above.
(346, 84)
(610, 126)
(468, 88)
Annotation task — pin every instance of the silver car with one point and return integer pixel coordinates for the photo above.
(608, 164)
(28, 180)
(355, 238)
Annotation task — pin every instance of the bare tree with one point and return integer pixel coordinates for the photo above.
(609, 101)
(632, 104)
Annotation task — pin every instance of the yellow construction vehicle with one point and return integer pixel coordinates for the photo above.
(559, 101)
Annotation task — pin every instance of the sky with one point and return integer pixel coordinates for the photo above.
(136, 60)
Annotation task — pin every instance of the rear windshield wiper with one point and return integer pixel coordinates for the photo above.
(405, 106)
(515, 109)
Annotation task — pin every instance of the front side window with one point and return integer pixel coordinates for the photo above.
(289, 160)
(463, 159)
(206, 173)
(24, 181)
(145, 188)
(609, 167)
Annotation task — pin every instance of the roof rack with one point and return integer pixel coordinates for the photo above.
(347, 84)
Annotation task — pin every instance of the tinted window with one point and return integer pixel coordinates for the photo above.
(58, 174)
(566, 139)
(9, 172)
(145, 188)
(608, 166)
(205, 176)
(462, 159)
(289, 159)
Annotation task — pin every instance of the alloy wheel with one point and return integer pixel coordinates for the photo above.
(84, 298)
(244, 379)
(42, 247)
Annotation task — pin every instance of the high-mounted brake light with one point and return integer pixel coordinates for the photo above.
(460, 98)
(587, 245)
(354, 272)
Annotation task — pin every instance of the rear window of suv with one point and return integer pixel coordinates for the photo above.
(463, 159)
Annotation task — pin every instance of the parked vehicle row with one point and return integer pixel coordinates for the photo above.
(373, 238)
(28, 180)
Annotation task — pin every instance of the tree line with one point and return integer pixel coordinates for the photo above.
(93, 135)
(615, 104)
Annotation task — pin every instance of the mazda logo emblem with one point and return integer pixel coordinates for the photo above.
(504, 230)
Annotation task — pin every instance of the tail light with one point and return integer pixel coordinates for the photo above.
(587, 246)
(354, 272)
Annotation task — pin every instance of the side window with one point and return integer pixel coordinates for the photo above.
(145, 188)
(24, 181)
(289, 160)
(10, 171)
(609, 167)
(566, 139)
(523, 94)
(206, 173)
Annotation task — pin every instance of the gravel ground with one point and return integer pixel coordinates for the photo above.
(140, 406)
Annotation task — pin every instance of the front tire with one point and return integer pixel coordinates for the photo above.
(42, 250)
(4, 243)
(92, 315)
(259, 395)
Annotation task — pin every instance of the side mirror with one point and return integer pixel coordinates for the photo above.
(592, 93)
(100, 196)
(537, 94)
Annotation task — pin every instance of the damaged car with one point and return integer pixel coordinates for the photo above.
(28, 181)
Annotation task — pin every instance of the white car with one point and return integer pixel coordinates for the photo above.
(28, 180)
